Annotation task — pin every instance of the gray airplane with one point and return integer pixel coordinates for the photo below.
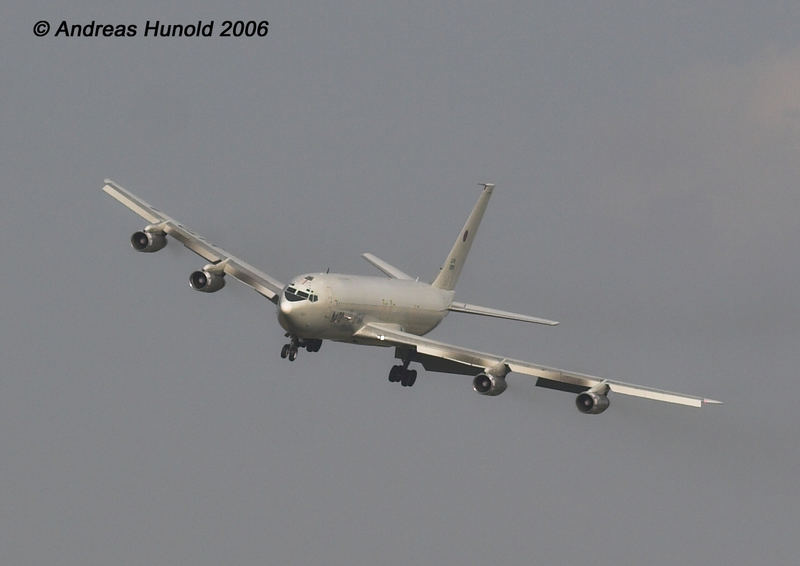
(394, 311)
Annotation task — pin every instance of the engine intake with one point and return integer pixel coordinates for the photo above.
(206, 281)
(148, 241)
(486, 384)
(591, 403)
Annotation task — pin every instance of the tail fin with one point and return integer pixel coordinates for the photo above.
(451, 269)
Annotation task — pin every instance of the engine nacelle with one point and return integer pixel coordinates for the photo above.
(486, 384)
(206, 281)
(591, 403)
(147, 241)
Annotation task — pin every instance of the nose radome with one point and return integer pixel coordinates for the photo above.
(286, 306)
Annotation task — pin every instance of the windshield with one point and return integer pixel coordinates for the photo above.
(294, 295)
(291, 294)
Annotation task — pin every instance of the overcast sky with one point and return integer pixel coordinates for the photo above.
(647, 160)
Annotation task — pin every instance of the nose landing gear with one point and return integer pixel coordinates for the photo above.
(290, 350)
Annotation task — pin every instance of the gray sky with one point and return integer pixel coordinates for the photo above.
(646, 161)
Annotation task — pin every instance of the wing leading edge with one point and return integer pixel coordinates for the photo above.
(466, 361)
(233, 266)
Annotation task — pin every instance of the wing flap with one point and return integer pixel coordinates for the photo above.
(235, 267)
(547, 377)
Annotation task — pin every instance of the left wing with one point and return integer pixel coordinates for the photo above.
(386, 267)
(229, 264)
(438, 356)
(486, 311)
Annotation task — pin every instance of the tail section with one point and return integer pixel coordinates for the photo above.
(449, 272)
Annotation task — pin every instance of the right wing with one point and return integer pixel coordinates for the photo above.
(233, 266)
(438, 356)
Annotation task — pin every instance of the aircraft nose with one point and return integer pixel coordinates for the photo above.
(286, 306)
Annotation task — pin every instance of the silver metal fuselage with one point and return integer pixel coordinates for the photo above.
(346, 302)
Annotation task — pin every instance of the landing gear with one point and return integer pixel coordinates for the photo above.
(290, 350)
(410, 376)
(406, 377)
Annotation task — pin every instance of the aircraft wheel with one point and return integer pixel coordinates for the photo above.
(285, 350)
(292, 354)
(408, 377)
(393, 374)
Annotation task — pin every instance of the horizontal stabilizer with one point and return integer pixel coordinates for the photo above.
(386, 267)
(486, 311)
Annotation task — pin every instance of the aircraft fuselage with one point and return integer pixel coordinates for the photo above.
(334, 306)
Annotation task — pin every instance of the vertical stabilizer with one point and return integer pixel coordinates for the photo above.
(451, 269)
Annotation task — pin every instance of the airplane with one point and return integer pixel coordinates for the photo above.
(393, 311)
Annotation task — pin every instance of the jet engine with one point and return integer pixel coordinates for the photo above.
(486, 384)
(206, 281)
(591, 403)
(147, 241)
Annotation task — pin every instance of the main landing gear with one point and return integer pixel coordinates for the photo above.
(290, 350)
(406, 377)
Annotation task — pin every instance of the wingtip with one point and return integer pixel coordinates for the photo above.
(712, 402)
(544, 321)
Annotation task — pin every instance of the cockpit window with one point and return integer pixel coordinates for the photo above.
(292, 294)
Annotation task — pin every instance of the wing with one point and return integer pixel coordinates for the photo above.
(233, 266)
(486, 311)
(386, 267)
(438, 356)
